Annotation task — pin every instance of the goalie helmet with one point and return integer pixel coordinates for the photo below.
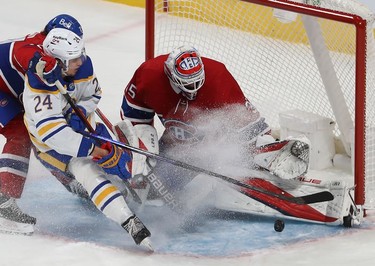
(65, 46)
(64, 21)
(185, 70)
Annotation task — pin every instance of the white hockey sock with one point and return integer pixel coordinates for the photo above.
(106, 197)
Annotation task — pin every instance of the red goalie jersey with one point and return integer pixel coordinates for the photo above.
(150, 92)
(199, 102)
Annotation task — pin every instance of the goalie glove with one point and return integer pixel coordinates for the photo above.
(142, 136)
(286, 159)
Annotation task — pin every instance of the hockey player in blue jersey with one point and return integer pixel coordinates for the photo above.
(15, 55)
(54, 128)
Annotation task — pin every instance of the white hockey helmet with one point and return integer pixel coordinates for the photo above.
(185, 70)
(64, 45)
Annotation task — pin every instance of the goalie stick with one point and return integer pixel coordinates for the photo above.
(154, 180)
(308, 199)
(78, 111)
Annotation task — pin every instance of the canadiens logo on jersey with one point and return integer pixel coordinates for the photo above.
(188, 65)
(181, 132)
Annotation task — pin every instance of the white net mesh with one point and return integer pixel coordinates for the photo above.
(274, 62)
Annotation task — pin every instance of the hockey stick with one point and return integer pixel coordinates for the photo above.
(154, 180)
(308, 199)
(78, 111)
(72, 104)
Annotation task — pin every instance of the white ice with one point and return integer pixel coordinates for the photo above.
(115, 41)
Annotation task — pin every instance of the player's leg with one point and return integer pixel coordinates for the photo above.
(107, 198)
(14, 163)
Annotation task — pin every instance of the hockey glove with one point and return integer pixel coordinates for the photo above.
(115, 163)
(74, 120)
(46, 67)
(286, 159)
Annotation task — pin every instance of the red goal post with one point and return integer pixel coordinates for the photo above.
(321, 61)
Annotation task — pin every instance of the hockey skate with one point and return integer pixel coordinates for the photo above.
(138, 232)
(76, 188)
(286, 159)
(12, 219)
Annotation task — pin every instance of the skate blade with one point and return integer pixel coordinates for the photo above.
(147, 244)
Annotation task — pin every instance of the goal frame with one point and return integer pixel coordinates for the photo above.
(360, 25)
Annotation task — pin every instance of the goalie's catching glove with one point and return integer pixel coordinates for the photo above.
(115, 163)
(286, 159)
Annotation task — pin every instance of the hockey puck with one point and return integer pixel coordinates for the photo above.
(279, 225)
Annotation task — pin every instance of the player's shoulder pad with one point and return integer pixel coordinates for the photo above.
(35, 84)
(86, 70)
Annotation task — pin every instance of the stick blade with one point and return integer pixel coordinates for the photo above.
(316, 197)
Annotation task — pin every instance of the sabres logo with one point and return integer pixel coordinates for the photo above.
(71, 86)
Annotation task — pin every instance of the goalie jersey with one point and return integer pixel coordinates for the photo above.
(45, 108)
(149, 92)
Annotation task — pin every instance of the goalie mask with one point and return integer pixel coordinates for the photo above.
(185, 70)
(65, 46)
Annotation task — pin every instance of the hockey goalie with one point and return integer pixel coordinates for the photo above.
(209, 123)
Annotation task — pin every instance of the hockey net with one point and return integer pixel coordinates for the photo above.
(320, 59)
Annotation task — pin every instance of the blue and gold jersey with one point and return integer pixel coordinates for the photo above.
(45, 109)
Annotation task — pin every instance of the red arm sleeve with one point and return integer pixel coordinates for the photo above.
(24, 50)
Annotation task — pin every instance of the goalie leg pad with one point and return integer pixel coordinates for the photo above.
(342, 207)
(329, 212)
(286, 159)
